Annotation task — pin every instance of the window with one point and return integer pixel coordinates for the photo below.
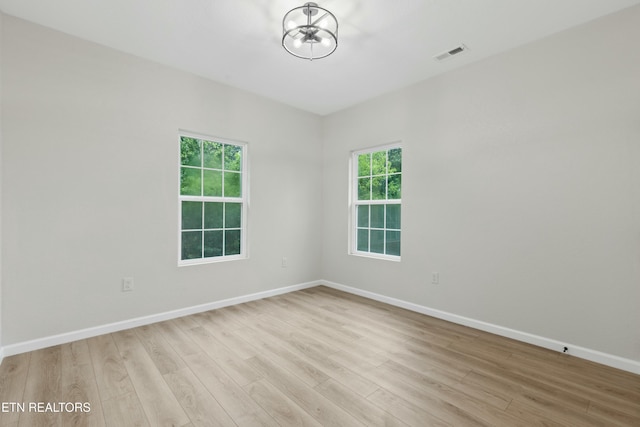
(213, 200)
(376, 202)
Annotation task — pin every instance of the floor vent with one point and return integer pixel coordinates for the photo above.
(450, 53)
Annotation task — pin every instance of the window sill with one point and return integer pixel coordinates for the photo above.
(377, 256)
(214, 260)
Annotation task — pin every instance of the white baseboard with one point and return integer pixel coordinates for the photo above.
(67, 337)
(581, 352)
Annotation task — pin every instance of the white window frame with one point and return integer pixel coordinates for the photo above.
(354, 203)
(243, 199)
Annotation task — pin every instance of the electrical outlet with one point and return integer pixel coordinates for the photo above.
(435, 278)
(285, 262)
(127, 284)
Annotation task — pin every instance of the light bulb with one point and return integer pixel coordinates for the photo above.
(297, 43)
(325, 42)
(291, 25)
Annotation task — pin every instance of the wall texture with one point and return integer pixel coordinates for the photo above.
(91, 178)
(1, 302)
(521, 188)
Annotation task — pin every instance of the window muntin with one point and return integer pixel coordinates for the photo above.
(212, 200)
(377, 202)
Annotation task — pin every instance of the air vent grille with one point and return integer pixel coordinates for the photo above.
(451, 53)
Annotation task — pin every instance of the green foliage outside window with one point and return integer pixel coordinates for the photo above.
(378, 223)
(380, 175)
(210, 170)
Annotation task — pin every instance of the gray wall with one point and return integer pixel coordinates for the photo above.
(1, 299)
(520, 187)
(91, 164)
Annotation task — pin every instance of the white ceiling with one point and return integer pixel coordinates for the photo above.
(383, 44)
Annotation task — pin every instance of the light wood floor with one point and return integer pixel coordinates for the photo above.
(317, 357)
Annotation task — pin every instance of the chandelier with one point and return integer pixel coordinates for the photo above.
(310, 32)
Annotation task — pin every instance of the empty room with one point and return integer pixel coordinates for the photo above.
(342, 213)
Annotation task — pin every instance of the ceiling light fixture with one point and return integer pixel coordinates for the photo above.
(310, 32)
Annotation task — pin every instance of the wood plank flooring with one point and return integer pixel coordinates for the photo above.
(316, 357)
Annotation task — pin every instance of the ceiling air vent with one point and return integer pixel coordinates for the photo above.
(451, 53)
